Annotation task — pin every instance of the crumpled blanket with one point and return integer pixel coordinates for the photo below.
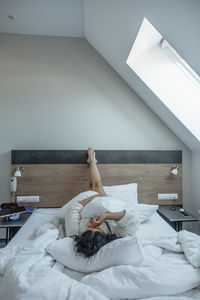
(30, 273)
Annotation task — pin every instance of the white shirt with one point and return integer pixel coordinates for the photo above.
(76, 225)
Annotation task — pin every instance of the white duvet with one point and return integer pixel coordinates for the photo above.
(30, 273)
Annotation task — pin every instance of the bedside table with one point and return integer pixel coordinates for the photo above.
(13, 226)
(174, 217)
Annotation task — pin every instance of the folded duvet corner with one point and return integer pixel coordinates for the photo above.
(191, 246)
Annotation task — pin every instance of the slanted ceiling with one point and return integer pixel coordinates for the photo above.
(111, 26)
(170, 78)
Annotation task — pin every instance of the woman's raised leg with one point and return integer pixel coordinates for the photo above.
(94, 176)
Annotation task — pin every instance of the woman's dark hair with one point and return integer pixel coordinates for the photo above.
(91, 241)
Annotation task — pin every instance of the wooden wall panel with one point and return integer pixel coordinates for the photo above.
(56, 184)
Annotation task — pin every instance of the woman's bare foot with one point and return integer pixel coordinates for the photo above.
(91, 156)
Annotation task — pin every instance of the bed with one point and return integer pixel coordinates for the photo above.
(156, 228)
(166, 272)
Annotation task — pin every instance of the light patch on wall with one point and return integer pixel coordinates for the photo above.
(164, 71)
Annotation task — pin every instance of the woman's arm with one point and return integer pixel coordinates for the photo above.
(73, 216)
(115, 215)
(72, 219)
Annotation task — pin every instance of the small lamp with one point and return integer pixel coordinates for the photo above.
(18, 171)
(174, 170)
(13, 182)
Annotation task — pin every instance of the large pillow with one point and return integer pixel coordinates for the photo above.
(123, 251)
(126, 192)
(101, 205)
(78, 198)
(146, 211)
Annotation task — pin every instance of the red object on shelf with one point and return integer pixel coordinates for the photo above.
(9, 205)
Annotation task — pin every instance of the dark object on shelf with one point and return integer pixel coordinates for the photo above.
(184, 213)
(173, 208)
(12, 211)
(9, 205)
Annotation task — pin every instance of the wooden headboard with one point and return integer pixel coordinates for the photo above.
(59, 175)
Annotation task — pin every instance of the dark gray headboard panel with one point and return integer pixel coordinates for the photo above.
(103, 156)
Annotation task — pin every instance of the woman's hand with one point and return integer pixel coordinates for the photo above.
(95, 222)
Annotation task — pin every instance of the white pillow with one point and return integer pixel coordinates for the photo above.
(126, 192)
(123, 251)
(78, 198)
(146, 211)
(101, 205)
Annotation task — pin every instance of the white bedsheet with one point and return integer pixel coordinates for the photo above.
(161, 273)
(39, 217)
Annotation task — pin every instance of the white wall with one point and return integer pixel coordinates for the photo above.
(196, 184)
(59, 93)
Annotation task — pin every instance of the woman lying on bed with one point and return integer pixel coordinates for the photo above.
(92, 233)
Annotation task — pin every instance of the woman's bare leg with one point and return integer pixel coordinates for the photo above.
(95, 183)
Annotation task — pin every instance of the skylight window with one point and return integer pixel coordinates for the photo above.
(165, 72)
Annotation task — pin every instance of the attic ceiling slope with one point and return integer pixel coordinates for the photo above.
(113, 39)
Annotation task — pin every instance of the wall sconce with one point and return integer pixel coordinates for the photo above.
(18, 171)
(13, 182)
(174, 170)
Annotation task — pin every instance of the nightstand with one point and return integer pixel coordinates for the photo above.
(174, 217)
(13, 226)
